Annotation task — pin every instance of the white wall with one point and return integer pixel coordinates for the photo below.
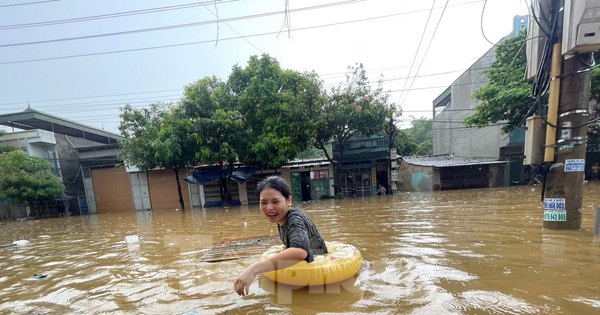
(449, 133)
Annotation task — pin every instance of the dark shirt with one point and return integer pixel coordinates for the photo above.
(299, 231)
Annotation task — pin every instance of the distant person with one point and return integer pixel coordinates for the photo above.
(297, 232)
(353, 191)
(595, 171)
(381, 191)
(61, 209)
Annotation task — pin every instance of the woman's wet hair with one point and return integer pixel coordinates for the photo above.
(277, 183)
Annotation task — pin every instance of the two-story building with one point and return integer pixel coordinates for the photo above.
(366, 163)
(452, 137)
(58, 140)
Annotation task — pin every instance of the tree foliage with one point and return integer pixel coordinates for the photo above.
(351, 109)
(262, 115)
(507, 98)
(218, 128)
(278, 107)
(595, 88)
(156, 137)
(139, 127)
(406, 144)
(417, 140)
(26, 180)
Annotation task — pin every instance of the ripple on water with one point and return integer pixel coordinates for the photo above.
(494, 302)
(590, 302)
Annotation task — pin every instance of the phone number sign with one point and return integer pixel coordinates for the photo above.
(554, 204)
(555, 215)
(555, 209)
(575, 165)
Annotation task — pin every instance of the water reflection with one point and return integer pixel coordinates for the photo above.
(450, 252)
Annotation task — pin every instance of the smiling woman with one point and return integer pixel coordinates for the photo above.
(297, 232)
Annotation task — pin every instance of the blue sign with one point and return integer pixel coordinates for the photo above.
(575, 165)
(554, 204)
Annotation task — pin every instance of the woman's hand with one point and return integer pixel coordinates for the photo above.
(286, 258)
(243, 282)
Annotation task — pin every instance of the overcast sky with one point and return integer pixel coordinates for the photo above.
(83, 60)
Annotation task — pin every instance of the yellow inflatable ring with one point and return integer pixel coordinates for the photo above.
(340, 263)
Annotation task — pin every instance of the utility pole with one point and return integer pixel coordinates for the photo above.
(563, 196)
(566, 137)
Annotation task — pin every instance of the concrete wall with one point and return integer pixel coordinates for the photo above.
(449, 133)
(417, 178)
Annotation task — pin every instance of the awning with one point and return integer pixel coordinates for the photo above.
(64, 197)
(210, 176)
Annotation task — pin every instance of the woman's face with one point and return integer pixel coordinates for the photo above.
(274, 205)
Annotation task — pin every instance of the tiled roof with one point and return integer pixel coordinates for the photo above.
(446, 160)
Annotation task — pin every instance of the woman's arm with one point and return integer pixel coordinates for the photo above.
(288, 257)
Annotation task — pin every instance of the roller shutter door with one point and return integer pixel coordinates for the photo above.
(112, 190)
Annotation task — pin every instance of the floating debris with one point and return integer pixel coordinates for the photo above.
(40, 276)
(132, 239)
(21, 242)
(236, 248)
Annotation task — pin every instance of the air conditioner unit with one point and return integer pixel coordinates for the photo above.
(581, 26)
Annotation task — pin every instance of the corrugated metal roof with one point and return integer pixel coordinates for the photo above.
(446, 160)
(307, 162)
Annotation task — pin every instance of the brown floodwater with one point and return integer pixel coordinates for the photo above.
(478, 251)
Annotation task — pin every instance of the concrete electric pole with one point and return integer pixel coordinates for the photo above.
(573, 38)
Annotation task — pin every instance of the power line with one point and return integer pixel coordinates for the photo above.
(26, 3)
(169, 27)
(96, 96)
(163, 98)
(216, 14)
(331, 75)
(426, 50)
(110, 15)
(418, 46)
(229, 38)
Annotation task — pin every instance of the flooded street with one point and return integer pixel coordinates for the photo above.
(448, 252)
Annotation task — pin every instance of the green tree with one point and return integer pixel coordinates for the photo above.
(25, 180)
(595, 91)
(508, 98)
(352, 108)
(7, 149)
(155, 137)
(593, 130)
(406, 145)
(278, 107)
(220, 131)
(422, 132)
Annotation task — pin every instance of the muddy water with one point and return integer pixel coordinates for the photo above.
(454, 252)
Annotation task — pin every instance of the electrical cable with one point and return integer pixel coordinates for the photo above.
(231, 28)
(26, 3)
(230, 38)
(483, 32)
(176, 26)
(426, 50)
(418, 48)
(111, 15)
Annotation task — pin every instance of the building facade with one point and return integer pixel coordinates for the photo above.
(57, 140)
(366, 164)
(456, 103)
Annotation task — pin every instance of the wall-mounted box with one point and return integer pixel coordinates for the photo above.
(535, 139)
(581, 26)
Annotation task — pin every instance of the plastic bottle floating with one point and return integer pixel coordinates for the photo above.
(341, 262)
